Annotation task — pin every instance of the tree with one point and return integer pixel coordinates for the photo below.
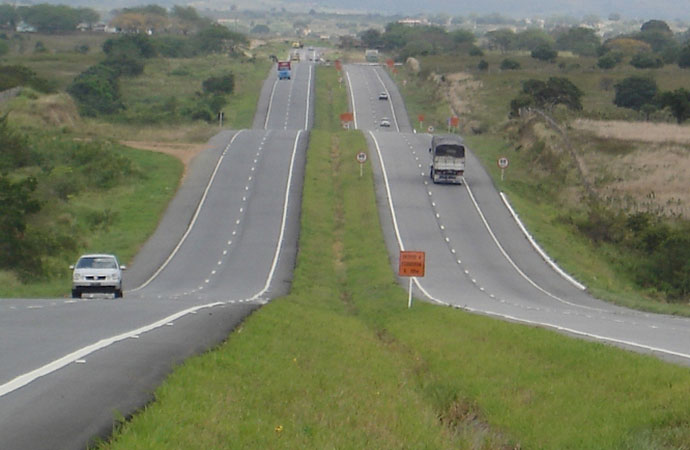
(510, 64)
(220, 85)
(635, 92)
(678, 102)
(97, 91)
(16, 203)
(656, 25)
(544, 53)
(646, 61)
(579, 40)
(626, 46)
(55, 18)
(659, 36)
(555, 91)
(9, 17)
(371, 38)
(684, 57)
(531, 39)
(502, 39)
(133, 45)
(217, 39)
(609, 60)
(463, 37)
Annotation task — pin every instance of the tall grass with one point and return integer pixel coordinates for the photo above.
(343, 363)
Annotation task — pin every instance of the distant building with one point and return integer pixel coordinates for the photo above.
(23, 27)
(413, 22)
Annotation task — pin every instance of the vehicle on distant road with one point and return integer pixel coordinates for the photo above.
(383, 96)
(447, 159)
(385, 122)
(284, 70)
(97, 273)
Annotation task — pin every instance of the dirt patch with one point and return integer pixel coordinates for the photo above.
(184, 152)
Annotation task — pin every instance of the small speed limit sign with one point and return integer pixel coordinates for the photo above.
(502, 162)
(361, 157)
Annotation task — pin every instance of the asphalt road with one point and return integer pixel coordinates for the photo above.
(477, 256)
(226, 245)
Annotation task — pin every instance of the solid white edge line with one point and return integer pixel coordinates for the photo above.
(506, 316)
(352, 99)
(539, 250)
(512, 263)
(270, 103)
(24, 379)
(306, 116)
(286, 204)
(193, 221)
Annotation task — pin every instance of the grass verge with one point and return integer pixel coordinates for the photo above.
(137, 208)
(342, 363)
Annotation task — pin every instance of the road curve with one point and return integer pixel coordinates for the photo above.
(478, 258)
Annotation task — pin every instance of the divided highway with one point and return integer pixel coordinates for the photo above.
(477, 256)
(226, 244)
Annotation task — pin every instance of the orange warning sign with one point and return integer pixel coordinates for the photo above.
(411, 264)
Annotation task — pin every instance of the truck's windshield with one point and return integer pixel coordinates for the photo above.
(456, 151)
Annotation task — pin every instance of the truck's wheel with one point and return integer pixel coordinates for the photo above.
(118, 293)
(76, 293)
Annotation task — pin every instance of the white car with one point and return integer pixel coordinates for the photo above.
(97, 273)
(385, 122)
(383, 96)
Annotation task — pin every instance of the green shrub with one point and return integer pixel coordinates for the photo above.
(646, 61)
(219, 85)
(510, 64)
(97, 91)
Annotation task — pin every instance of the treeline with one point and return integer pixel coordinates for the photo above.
(46, 18)
(404, 41)
(97, 90)
(38, 178)
(653, 46)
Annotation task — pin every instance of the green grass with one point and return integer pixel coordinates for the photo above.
(167, 81)
(342, 363)
(138, 207)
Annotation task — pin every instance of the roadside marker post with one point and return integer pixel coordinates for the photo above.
(503, 164)
(361, 159)
(411, 264)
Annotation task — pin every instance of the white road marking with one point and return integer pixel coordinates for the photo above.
(192, 222)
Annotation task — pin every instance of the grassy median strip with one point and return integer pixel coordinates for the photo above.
(342, 363)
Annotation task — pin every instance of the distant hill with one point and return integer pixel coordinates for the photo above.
(669, 10)
(631, 9)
